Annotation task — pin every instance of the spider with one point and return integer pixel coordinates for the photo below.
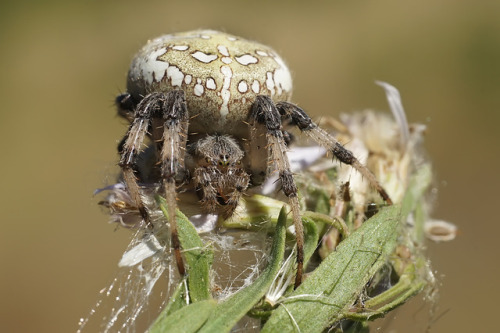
(214, 106)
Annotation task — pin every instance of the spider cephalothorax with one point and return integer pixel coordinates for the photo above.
(219, 174)
(221, 100)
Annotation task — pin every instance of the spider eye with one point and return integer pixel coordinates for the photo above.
(223, 160)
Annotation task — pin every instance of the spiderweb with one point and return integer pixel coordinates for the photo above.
(147, 277)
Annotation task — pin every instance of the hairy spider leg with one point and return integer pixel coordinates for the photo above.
(169, 108)
(265, 112)
(238, 180)
(300, 119)
(175, 115)
(131, 147)
(205, 178)
(235, 179)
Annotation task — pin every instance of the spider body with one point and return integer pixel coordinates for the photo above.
(214, 106)
(220, 75)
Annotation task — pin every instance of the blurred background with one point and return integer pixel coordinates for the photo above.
(63, 62)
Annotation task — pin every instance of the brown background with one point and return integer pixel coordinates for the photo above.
(62, 63)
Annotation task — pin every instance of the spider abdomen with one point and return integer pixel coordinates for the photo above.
(220, 74)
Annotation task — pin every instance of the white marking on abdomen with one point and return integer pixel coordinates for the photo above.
(225, 93)
(270, 82)
(242, 87)
(198, 89)
(255, 86)
(175, 76)
(188, 79)
(203, 57)
(180, 47)
(246, 59)
(211, 84)
(149, 67)
(282, 77)
(223, 50)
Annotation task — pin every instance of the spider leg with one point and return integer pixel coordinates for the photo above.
(238, 181)
(131, 146)
(265, 112)
(214, 184)
(307, 126)
(175, 116)
(125, 106)
(171, 107)
(204, 178)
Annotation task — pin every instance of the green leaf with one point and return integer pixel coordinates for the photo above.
(410, 283)
(177, 301)
(186, 320)
(311, 238)
(256, 212)
(199, 258)
(230, 311)
(335, 285)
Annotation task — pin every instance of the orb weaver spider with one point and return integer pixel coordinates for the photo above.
(214, 106)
